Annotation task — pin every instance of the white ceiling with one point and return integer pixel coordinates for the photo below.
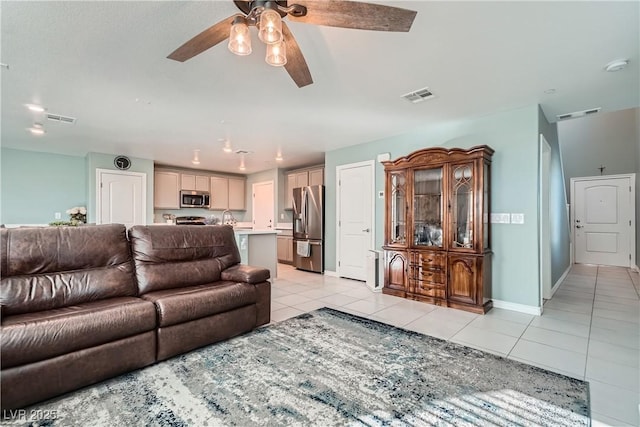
(105, 64)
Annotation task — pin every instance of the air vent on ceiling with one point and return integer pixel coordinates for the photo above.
(61, 119)
(418, 95)
(577, 114)
(243, 152)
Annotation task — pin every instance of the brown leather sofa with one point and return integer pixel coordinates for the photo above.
(78, 308)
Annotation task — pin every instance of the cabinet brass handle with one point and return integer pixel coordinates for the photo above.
(429, 260)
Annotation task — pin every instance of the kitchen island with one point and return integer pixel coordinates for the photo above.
(258, 248)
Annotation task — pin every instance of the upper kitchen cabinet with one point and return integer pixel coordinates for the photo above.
(194, 182)
(227, 193)
(302, 178)
(166, 190)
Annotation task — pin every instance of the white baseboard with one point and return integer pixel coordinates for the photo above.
(331, 273)
(560, 280)
(522, 308)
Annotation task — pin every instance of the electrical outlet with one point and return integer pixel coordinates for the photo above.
(500, 218)
(381, 194)
(517, 218)
(57, 215)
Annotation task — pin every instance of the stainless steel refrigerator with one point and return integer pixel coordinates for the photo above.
(308, 228)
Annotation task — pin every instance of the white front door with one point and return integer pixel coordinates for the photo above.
(355, 218)
(121, 197)
(603, 225)
(263, 205)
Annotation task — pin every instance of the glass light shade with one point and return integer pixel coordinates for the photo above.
(276, 54)
(239, 38)
(270, 27)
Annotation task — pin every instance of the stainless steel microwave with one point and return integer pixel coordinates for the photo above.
(194, 199)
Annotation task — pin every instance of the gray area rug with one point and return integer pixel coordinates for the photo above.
(329, 368)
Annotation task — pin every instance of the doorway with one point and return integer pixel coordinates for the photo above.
(545, 221)
(603, 219)
(263, 208)
(355, 211)
(121, 197)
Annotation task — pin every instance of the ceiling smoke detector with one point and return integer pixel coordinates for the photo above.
(419, 95)
(577, 114)
(617, 65)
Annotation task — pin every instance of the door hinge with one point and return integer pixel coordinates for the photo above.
(338, 263)
(629, 257)
(339, 182)
(629, 189)
(339, 223)
(629, 222)
(100, 185)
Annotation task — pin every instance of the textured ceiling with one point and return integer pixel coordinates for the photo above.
(105, 64)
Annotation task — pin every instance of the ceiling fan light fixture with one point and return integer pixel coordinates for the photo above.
(270, 27)
(239, 37)
(276, 54)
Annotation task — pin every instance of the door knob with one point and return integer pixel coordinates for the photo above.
(366, 230)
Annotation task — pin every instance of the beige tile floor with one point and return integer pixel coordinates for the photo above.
(589, 330)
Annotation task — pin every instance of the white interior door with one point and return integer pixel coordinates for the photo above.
(355, 218)
(263, 205)
(121, 197)
(603, 220)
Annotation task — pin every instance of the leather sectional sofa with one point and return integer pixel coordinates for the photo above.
(83, 304)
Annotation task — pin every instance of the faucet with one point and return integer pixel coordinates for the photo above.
(227, 218)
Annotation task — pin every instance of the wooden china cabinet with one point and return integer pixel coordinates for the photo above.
(437, 246)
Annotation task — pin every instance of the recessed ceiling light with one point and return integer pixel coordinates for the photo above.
(36, 108)
(37, 129)
(196, 157)
(279, 157)
(617, 65)
(227, 145)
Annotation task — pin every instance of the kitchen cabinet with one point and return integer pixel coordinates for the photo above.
(194, 182)
(302, 178)
(316, 176)
(237, 194)
(285, 249)
(166, 190)
(227, 193)
(437, 246)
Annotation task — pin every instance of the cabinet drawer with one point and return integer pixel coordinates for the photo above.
(425, 289)
(431, 261)
(436, 277)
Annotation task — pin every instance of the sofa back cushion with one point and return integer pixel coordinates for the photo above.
(182, 255)
(52, 267)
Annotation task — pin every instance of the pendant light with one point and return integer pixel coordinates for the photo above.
(239, 37)
(270, 27)
(276, 54)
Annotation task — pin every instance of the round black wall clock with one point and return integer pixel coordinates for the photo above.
(122, 162)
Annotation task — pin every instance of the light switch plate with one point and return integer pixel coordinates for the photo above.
(500, 218)
(517, 218)
(57, 215)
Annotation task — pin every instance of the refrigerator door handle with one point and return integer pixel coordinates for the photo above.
(305, 202)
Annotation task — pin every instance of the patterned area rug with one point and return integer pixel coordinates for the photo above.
(329, 368)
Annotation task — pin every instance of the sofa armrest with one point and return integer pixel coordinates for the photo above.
(246, 274)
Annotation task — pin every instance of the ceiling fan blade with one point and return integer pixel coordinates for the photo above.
(296, 66)
(358, 15)
(203, 41)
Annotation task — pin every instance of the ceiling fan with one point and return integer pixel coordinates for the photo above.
(282, 48)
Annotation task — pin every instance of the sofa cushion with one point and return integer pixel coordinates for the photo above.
(52, 267)
(181, 256)
(194, 302)
(27, 338)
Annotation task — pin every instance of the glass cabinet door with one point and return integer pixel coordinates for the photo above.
(462, 205)
(398, 208)
(427, 207)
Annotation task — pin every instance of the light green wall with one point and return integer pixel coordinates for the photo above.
(35, 185)
(514, 137)
(637, 126)
(559, 221)
(105, 161)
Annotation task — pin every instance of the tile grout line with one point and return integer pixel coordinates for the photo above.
(593, 303)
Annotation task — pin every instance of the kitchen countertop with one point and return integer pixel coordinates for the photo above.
(250, 231)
